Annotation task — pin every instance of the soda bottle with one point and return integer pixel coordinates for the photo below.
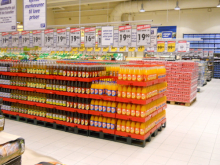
(129, 92)
(60, 70)
(114, 90)
(104, 107)
(133, 110)
(84, 72)
(125, 70)
(119, 125)
(113, 121)
(144, 93)
(71, 117)
(82, 119)
(79, 71)
(113, 107)
(86, 120)
(79, 103)
(137, 128)
(79, 119)
(75, 103)
(64, 86)
(75, 71)
(128, 110)
(79, 87)
(129, 74)
(96, 121)
(139, 74)
(96, 105)
(101, 88)
(87, 105)
(138, 95)
(128, 126)
(123, 110)
(143, 111)
(120, 74)
(109, 107)
(132, 127)
(92, 105)
(68, 86)
(88, 86)
(138, 108)
(108, 123)
(100, 122)
(142, 129)
(71, 102)
(104, 122)
(100, 105)
(83, 88)
(75, 87)
(134, 74)
(72, 71)
(92, 121)
(88, 72)
(96, 86)
(64, 70)
(123, 126)
(68, 71)
(92, 90)
(83, 103)
(124, 92)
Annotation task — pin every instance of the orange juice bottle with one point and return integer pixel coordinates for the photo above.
(123, 126)
(108, 123)
(143, 111)
(109, 107)
(92, 105)
(144, 93)
(119, 90)
(104, 122)
(134, 74)
(125, 71)
(101, 88)
(96, 105)
(100, 105)
(137, 128)
(96, 120)
(139, 74)
(100, 122)
(114, 90)
(133, 110)
(128, 110)
(123, 109)
(129, 74)
(92, 121)
(92, 90)
(113, 122)
(120, 74)
(138, 108)
(142, 129)
(138, 94)
(133, 93)
(132, 127)
(104, 107)
(128, 126)
(124, 92)
(119, 107)
(129, 92)
(119, 125)
(113, 107)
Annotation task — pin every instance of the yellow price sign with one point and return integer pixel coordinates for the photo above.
(105, 49)
(74, 49)
(114, 49)
(89, 49)
(141, 48)
(131, 49)
(122, 48)
(97, 49)
(171, 46)
(2, 49)
(57, 52)
(61, 52)
(66, 52)
(81, 49)
(160, 46)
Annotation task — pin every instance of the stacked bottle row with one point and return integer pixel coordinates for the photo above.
(104, 87)
(103, 122)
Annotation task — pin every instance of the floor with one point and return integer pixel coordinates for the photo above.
(192, 136)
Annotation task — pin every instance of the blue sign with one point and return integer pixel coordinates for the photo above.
(167, 34)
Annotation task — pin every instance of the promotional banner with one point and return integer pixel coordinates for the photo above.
(89, 39)
(171, 46)
(8, 15)
(124, 33)
(5, 39)
(61, 37)
(25, 38)
(37, 40)
(48, 37)
(75, 37)
(34, 14)
(167, 34)
(182, 46)
(107, 36)
(143, 35)
(160, 46)
(15, 39)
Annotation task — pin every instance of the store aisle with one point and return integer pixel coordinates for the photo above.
(192, 136)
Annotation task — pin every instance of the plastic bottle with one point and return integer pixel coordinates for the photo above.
(113, 107)
(142, 129)
(119, 125)
(100, 122)
(100, 105)
(129, 92)
(104, 107)
(109, 107)
(92, 90)
(128, 126)
(104, 122)
(129, 74)
(96, 121)
(92, 121)
(123, 126)
(144, 93)
(96, 105)
(119, 108)
(114, 90)
(108, 123)
(124, 92)
(113, 121)
(128, 110)
(119, 91)
(123, 109)
(138, 94)
(132, 127)
(137, 128)
(137, 112)
(143, 111)
(125, 71)
(120, 74)
(134, 74)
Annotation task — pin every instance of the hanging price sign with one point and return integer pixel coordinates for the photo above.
(182, 46)
(48, 37)
(61, 37)
(160, 46)
(100, 38)
(25, 38)
(124, 33)
(115, 41)
(37, 38)
(15, 39)
(75, 37)
(141, 48)
(5, 39)
(107, 35)
(89, 39)
(143, 35)
(171, 46)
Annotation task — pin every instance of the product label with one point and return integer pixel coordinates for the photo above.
(137, 113)
(123, 128)
(96, 107)
(79, 105)
(87, 106)
(139, 77)
(132, 129)
(142, 131)
(124, 76)
(119, 93)
(127, 129)
(119, 76)
(129, 77)
(72, 74)
(137, 131)
(128, 95)
(83, 74)
(113, 126)
(123, 111)
(91, 122)
(123, 94)
(79, 74)
(134, 77)
(104, 125)
(128, 112)
(113, 93)
(108, 126)
(109, 92)
(142, 114)
(118, 127)
(113, 109)
(91, 107)
(87, 90)
(100, 124)
(83, 90)
(75, 89)
(118, 110)
(138, 96)
(96, 91)
(87, 74)
(132, 112)
(100, 108)
(143, 96)
(108, 109)
(100, 91)
(92, 91)
(96, 123)
(79, 90)
(83, 106)
(68, 89)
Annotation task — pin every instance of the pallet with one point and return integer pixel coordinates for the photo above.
(102, 135)
(181, 103)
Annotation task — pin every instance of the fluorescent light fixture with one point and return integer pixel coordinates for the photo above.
(177, 6)
(142, 8)
(218, 4)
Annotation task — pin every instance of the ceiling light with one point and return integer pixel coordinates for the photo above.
(218, 4)
(142, 8)
(177, 6)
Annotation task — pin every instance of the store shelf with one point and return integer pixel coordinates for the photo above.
(104, 130)
(104, 114)
(103, 97)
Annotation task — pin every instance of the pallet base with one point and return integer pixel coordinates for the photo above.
(181, 103)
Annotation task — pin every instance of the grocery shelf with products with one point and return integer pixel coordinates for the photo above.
(122, 100)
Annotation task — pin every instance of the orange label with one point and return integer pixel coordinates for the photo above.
(142, 131)
(127, 129)
(120, 76)
(128, 112)
(143, 96)
(128, 95)
(137, 130)
(137, 113)
(129, 77)
(142, 114)
(133, 95)
(123, 111)
(124, 77)
(123, 128)
(119, 93)
(132, 112)
(139, 77)
(119, 110)
(134, 77)
(123, 94)
(138, 95)
(118, 127)
(132, 129)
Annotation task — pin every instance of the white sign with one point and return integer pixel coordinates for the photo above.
(5, 39)
(124, 35)
(133, 38)
(37, 40)
(210, 53)
(107, 35)
(143, 35)
(115, 42)
(89, 39)
(153, 37)
(25, 38)
(75, 37)
(182, 46)
(34, 14)
(15, 39)
(61, 37)
(48, 35)
(99, 38)
(187, 46)
(206, 53)
(8, 15)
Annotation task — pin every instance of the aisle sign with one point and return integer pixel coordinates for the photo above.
(171, 46)
(182, 46)
(25, 38)
(107, 36)
(124, 34)
(143, 35)
(61, 37)
(153, 37)
(15, 39)
(115, 41)
(160, 46)
(5, 39)
(90, 35)
(75, 37)
(34, 14)
(37, 40)
(8, 15)
(48, 35)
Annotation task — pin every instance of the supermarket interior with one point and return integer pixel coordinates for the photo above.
(109, 82)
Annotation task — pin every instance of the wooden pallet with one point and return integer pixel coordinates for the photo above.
(181, 103)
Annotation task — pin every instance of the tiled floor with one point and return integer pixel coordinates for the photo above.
(192, 136)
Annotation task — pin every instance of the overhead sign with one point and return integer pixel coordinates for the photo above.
(89, 39)
(15, 39)
(61, 37)
(37, 39)
(171, 46)
(115, 42)
(143, 35)
(48, 37)
(153, 37)
(160, 46)
(167, 34)
(124, 33)
(25, 38)
(107, 35)
(34, 14)
(182, 46)
(99, 38)
(133, 38)
(8, 15)
(5, 39)
(75, 37)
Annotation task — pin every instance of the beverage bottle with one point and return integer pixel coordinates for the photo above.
(79, 89)
(75, 103)
(133, 110)
(137, 113)
(83, 72)
(119, 108)
(92, 105)
(83, 103)
(128, 126)
(100, 105)
(96, 86)
(109, 89)
(129, 92)
(104, 107)
(96, 105)
(75, 71)
(142, 129)
(75, 87)
(83, 88)
(96, 121)
(119, 91)
(100, 122)
(138, 94)
(88, 72)
(87, 104)
(113, 122)
(59, 85)
(113, 107)
(79, 103)
(119, 125)
(134, 74)
(108, 123)
(72, 86)
(71, 117)
(68, 71)
(71, 71)
(139, 74)
(143, 111)
(128, 110)
(123, 109)
(109, 107)
(64, 86)
(144, 93)
(92, 121)
(92, 90)
(88, 86)
(104, 122)
(58, 98)
(82, 119)
(125, 71)
(79, 71)
(75, 119)
(123, 126)
(114, 90)
(101, 88)
(137, 128)
(64, 101)
(68, 89)
(79, 118)
(129, 74)
(124, 92)
(54, 85)
(120, 74)
(64, 70)
(86, 119)
(132, 127)
(60, 70)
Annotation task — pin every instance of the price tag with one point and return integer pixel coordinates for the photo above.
(153, 37)
(122, 49)
(150, 49)
(131, 49)
(115, 41)
(90, 35)
(89, 49)
(75, 37)
(15, 37)
(48, 37)
(37, 38)
(160, 46)
(114, 49)
(143, 35)
(124, 33)
(141, 48)
(82, 48)
(210, 53)
(74, 49)
(182, 46)
(97, 49)
(25, 38)
(5, 39)
(171, 46)
(61, 37)
(133, 38)
(105, 49)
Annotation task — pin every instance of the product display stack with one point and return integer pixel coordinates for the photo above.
(216, 69)
(202, 73)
